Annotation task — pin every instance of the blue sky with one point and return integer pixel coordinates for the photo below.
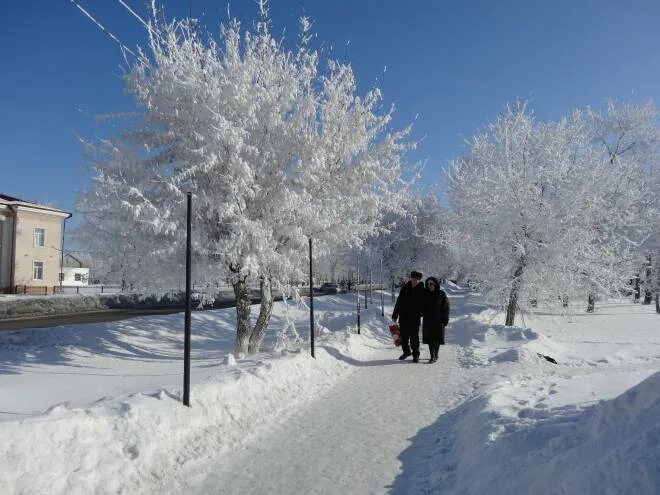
(455, 64)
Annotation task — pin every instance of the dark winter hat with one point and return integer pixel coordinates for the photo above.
(416, 274)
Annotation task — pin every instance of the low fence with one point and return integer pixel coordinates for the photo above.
(45, 290)
(206, 289)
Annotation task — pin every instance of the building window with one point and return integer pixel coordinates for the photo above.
(77, 277)
(39, 236)
(38, 270)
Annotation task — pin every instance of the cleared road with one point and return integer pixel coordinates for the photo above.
(102, 315)
(76, 318)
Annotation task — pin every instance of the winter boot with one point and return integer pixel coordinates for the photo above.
(404, 356)
(416, 359)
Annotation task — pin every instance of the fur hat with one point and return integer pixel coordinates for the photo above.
(416, 274)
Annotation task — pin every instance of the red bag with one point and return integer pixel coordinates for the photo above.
(395, 331)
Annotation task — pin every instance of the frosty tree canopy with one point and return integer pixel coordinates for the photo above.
(273, 148)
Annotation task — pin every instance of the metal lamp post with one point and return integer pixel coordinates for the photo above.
(382, 296)
(311, 300)
(186, 340)
(357, 293)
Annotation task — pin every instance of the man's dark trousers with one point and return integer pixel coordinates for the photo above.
(410, 338)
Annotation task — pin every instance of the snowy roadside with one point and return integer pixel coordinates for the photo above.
(139, 442)
(497, 416)
(589, 424)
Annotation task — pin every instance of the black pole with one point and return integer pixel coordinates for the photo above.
(311, 300)
(62, 256)
(357, 292)
(371, 285)
(366, 292)
(186, 341)
(382, 296)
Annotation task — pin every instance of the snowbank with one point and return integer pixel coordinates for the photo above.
(57, 304)
(142, 442)
(588, 424)
(17, 306)
(612, 447)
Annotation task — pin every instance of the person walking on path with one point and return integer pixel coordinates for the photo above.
(408, 310)
(435, 311)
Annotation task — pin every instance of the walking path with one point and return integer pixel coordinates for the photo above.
(351, 440)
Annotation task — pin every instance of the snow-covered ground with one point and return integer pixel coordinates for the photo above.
(96, 408)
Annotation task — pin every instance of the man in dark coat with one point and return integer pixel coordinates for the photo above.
(408, 310)
(436, 316)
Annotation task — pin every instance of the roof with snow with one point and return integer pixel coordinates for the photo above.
(70, 261)
(5, 199)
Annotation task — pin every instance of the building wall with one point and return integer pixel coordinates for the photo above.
(27, 253)
(70, 275)
(6, 229)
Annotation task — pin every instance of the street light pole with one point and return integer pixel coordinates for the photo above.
(186, 341)
(366, 294)
(371, 285)
(311, 300)
(382, 297)
(357, 292)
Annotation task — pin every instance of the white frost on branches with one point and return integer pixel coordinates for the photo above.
(543, 211)
(273, 150)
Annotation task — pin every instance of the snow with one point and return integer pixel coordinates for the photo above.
(492, 416)
(589, 424)
(14, 306)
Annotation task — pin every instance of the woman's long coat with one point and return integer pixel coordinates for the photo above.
(436, 315)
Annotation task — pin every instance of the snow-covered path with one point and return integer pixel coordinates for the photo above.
(492, 416)
(350, 440)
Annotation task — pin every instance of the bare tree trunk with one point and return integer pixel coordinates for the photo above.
(648, 280)
(513, 296)
(264, 316)
(242, 293)
(333, 269)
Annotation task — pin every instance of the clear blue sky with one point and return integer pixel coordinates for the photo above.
(454, 63)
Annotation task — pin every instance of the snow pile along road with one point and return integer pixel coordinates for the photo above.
(140, 442)
(589, 424)
(563, 405)
(503, 447)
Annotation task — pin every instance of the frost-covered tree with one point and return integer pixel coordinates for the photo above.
(629, 140)
(413, 237)
(274, 151)
(529, 213)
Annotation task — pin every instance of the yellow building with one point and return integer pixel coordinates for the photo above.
(30, 244)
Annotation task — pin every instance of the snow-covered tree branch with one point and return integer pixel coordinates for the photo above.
(273, 150)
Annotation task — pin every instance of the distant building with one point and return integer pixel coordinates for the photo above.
(74, 271)
(30, 243)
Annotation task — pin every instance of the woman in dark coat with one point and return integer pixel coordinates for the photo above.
(436, 317)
